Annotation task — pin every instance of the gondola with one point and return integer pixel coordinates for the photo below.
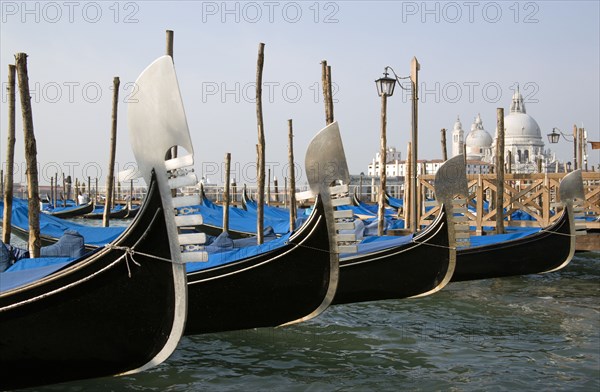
(52, 228)
(547, 250)
(132, 211)
(71, 211)
(242, 222)
(115, 213)
(417, 266)
(120, 309)
(290, 283)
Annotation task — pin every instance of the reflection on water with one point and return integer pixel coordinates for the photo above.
(518, 333)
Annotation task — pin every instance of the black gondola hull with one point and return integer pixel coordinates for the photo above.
(120, 214)
(73, 212)
(400, 272)
(545, 251)
(267, 290)
(92, 319)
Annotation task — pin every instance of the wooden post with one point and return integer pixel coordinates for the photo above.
(325, 85)
(76, 198)
(414, 78)
(479, 206)
(10, 156)
(233, 196)
(444, 150)
(169, 52)
(169, 48)
(226, 193)
(407, 189)
(580, 146)
(268, 185)
(329, 96)
(360, 187)
(96, 191)
(373, 189)
(276, 189)
(33, 195)
(261, 145)
(500, 172)
(55, 204)
(509, 162)
(51, 191)
(89, 187)
(292, 175)
(64, 187)
(545, 201)
(575, 147)
(111, 161)
(130, 193)
(382, 173)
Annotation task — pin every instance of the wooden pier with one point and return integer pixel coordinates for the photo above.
(534, 194)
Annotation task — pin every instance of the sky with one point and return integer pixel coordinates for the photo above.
(473, 55)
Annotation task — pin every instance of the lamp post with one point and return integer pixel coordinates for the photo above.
(414, 79)
(385, 88)
(554, 137)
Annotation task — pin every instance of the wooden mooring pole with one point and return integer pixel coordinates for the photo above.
(414, 80)
(226, 193)
(111, 161)
(575, 161)
(169, 52)
(444, 149)
(260, 146)
(325, 86)
(10, 157)
(33, 195)
(407, 189)
(329, 96)
(292, 175)
(500, 172)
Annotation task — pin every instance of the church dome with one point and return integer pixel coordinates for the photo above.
(519, 124)
(478, 137)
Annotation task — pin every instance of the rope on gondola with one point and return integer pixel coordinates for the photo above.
(130, 252)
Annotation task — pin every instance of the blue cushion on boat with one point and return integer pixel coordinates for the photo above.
(10, 255)
(70, 244)
(5, 259)
(223, 241)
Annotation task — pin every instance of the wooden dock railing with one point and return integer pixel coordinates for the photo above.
(534, 194)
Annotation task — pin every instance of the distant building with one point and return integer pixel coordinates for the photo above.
(397, 168)
(522, 137)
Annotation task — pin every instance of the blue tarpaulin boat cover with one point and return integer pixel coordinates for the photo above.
(55, 227)
(224, 250)
(481, 240)
(29, 270)
(239, 220)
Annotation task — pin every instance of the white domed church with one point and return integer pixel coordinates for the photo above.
(522, 137)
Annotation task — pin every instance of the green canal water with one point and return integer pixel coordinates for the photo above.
(537, 332)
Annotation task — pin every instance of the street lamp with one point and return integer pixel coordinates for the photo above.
(385, 85)
(554, 137)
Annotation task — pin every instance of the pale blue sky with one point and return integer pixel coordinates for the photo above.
(472, 55)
